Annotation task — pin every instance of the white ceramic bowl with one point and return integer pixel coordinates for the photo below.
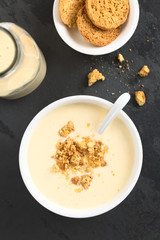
(73, 38)
(23, 163)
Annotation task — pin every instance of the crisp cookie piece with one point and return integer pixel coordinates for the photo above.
(91, 33)
(94, 76)
(144, 71)
(84, 181)
(120, 58)
(140, 98)
(107, 14)
(68, 11)
(67, 129)
(76, 180)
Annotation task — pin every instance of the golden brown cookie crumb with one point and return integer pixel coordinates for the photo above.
(55, 168)
(75, 180)
(78, 190)
(144, 71)
(86, 181)
(140, 98)
(67, 129)
(83, 180)
(120, 58)
(94, 76)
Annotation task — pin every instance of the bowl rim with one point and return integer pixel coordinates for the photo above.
(99, 50)
(44, 201)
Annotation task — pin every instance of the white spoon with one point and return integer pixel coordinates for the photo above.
(119, 104)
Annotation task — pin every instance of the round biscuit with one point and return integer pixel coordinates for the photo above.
(68, 11)
(91, 33)
(107, 14)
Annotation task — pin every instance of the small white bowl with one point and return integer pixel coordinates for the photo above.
(68, 212)
(74, 39)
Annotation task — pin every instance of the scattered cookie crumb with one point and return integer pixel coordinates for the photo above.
(113, 93)
(94, 76)
(55, 168)
(140, 98)
(67, 129)
(142, 85)
(144, 71)
(147, 40)
(89, 170)
(120, 58)
(75, 180)
(86, 181)
(120, 66)
(78, 190)
(130, 50)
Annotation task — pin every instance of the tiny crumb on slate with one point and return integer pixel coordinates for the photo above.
(94, 76)
(120, 58)
(144, 71)
(140, 98)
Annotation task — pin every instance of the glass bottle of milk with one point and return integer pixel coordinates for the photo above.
(22, 64)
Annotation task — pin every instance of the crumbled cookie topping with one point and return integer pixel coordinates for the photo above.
(94, 76)
(120, 58)
(67, 129)
(144, 71)
(140, 98)
(80, 157)
(84, 180)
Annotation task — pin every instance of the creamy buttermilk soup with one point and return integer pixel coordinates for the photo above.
(22, 64)
(72, 165)
(7, 51)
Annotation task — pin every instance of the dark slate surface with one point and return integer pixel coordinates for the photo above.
(138, 217)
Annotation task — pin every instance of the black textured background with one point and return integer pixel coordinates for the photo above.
(138, 217)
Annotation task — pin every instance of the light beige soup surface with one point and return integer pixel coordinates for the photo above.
(107, 181)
